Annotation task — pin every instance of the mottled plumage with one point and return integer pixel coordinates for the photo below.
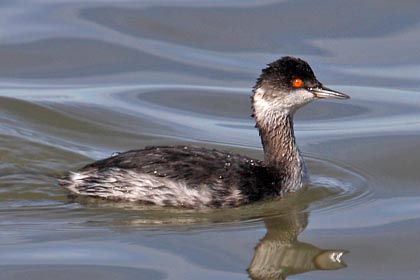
(196, 177)
(208, 178)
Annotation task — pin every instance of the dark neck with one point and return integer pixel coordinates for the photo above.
(278, 140)
(280, 150)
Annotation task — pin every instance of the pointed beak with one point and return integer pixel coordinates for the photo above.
(324, 92)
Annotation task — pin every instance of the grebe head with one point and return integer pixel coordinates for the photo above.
(286, 85)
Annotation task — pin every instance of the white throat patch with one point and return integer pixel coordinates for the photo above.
(284, 104)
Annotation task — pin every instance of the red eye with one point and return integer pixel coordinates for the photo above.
(298, 83)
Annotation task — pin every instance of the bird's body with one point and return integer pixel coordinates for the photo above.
(194, 177)
(186, 176)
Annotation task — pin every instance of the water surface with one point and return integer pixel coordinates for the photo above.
(80, 81)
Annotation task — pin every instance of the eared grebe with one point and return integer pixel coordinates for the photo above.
(192, 177)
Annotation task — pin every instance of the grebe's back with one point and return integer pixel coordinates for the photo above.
(185, 176)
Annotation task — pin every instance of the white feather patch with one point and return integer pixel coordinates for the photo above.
(121, 184)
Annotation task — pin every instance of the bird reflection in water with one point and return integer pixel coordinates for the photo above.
(280, 254)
